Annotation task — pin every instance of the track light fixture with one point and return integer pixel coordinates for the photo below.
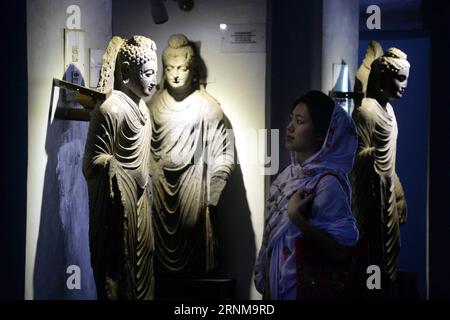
(159, 11)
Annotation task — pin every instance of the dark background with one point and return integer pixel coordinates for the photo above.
(13, 192)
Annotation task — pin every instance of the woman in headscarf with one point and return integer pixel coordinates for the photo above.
(310, 201)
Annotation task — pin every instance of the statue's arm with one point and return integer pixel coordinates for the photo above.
(364, 128)
(218, 183)
(223, 155)
(400, 200)
(99, 149)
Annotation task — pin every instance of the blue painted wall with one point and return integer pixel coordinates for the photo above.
(63, 231)
(412, 118)
(60, 218)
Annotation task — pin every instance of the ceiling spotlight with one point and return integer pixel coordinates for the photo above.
(186, 5)
(159, 11)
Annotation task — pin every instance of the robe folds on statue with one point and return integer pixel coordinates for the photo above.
(116, 166)
(192, 158)
(378, 198)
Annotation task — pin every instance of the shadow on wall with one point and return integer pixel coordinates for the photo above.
(236, 235)
(64, 223)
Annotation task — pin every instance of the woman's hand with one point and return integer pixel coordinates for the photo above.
(299, 211)
(299, 206)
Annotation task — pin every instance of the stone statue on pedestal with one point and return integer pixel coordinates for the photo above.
(378, 198)
(116, 167)
(192, 159)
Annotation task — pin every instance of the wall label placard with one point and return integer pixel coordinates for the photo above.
(241, 38)
(74, 55)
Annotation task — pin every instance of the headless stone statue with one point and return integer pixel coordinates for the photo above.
(192, 158)
(115, 165)
(378, 198)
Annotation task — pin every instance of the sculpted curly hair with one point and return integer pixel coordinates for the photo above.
(137, 51)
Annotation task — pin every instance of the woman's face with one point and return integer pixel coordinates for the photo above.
(301, 136)
(178, 73)
(395, 84)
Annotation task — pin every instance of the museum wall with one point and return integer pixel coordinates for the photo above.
(306, 38)
(237, 81)
(340, 40)
(57, 207)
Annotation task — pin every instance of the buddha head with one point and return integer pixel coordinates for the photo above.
(180, 61)
(138, 66)
(389, 76)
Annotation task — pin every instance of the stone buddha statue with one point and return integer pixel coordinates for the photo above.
(378, 198)
(116, 167)
(192, 157)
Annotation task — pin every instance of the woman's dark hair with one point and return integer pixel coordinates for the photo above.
(320, 108)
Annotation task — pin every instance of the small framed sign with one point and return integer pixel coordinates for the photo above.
(241, 38)
(74, 54)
